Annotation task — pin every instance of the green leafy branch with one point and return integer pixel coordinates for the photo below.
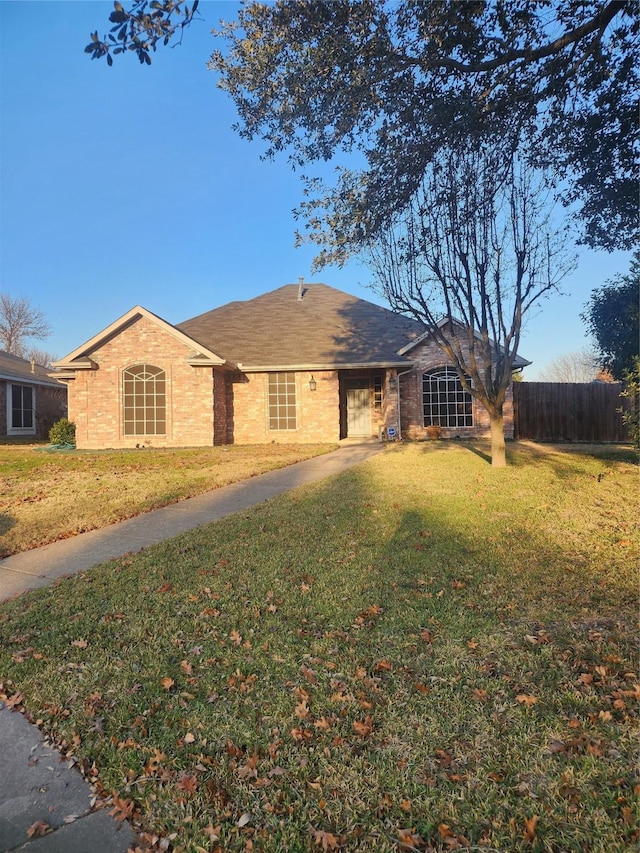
(141, 29)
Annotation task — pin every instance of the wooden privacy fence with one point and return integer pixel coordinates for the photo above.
(569, 411)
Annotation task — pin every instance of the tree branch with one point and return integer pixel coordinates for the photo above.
(600, 22)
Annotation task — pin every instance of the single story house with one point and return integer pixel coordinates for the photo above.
(303, 363)
(30, 400)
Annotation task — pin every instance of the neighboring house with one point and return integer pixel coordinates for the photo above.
(30, 400)
(303, 363)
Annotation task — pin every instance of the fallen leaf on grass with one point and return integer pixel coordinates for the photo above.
(12, 701)
(187, 782)
(277, 771)
(327, 840)
(153, 764)
(628, 815)
(453, 841)
(309, 674)
(300, 734)
(212, 832)
(363, 727)
(409, 838)
(302, 709)
(122, 809)
(526, 699)
(444, 758)
(530, 824)
(249, 768)
(80, 644)
(167, 683)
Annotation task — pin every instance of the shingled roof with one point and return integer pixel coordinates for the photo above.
(17, 369)
(324, 328)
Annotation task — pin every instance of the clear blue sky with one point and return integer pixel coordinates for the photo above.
(127, 185)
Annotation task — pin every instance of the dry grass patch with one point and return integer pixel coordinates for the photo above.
(47, 495)
(422, 654)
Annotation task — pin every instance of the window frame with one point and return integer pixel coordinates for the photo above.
(443, 405)
(378, 392)
(141, 407)
(11, 409)
(282, 401)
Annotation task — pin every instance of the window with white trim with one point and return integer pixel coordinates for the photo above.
(144, 400)
(21, 410)
(445, 402)
(282, 401)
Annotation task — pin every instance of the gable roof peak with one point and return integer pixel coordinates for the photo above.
(80, 356)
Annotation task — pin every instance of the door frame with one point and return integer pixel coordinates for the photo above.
(354, 383)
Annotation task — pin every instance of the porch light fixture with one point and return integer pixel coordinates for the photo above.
(393, 382)
(312, 384)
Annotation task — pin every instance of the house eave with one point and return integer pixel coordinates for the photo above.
(203, 361)
(76, 364)
(29, 380)
(355, 365)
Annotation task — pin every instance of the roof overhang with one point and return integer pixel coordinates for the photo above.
(29, 379)
(360, 365)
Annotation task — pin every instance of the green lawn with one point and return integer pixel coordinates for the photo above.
(47, 495)
(420, 654)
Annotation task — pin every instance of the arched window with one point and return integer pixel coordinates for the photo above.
(145, 401)
(445, 402)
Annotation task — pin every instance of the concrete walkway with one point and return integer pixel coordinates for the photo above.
(36, 784)
(40, 566)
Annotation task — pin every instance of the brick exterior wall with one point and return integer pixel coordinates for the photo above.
(317, 412)
(427, 356)
(237, 413)
(95, 396)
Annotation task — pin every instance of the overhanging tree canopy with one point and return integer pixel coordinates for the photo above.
(398, 81)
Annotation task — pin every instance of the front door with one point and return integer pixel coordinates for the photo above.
(358, 411)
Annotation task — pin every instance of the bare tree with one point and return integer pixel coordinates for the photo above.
(472, 254)
(39, 356)
(19, 320)
(579, 366)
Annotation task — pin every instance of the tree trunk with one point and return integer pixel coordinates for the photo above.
(498, 448)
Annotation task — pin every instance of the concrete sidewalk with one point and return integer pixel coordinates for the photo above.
(36, 784)
(40, 566)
